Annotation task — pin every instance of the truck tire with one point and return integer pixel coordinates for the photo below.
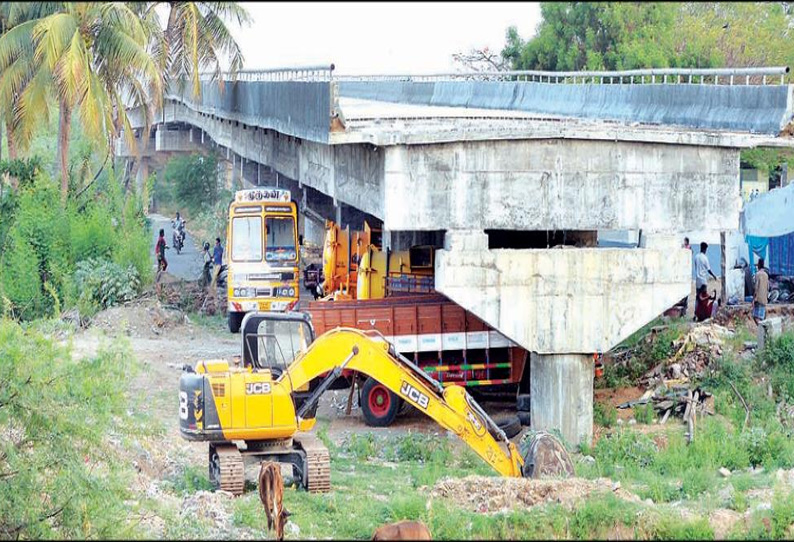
(523, 416)
(511, 425)
(235, 319)
(522, 402)
(378, 404)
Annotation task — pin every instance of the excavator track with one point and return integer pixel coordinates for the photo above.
(318, 462)
(230, 469)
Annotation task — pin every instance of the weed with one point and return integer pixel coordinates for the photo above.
(362, 446)
(192, 479)
(645, 414)
(677, 529)
(605, 414)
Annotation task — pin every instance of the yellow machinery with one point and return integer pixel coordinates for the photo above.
(257, 408)
(355, 266)
(262, 253)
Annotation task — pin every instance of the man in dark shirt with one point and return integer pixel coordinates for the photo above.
(217, 258)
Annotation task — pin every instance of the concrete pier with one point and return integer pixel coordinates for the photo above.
(561, 395)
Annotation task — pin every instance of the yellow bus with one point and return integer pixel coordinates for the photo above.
(262, 253)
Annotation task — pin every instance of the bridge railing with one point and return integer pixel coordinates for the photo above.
(715, 76)
(300, 73)
(729, 76)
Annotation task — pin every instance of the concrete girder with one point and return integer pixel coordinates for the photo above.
(561, 184)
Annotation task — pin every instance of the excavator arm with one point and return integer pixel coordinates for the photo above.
(369, 353)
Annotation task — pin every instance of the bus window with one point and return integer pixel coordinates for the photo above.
(280, 239)
(247, 239)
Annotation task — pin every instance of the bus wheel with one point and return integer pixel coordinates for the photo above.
(235, 319)
(378, 404)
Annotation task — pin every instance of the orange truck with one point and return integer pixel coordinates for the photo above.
(392, 292)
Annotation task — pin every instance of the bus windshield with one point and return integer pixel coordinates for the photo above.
(280, 240)
(247, 239)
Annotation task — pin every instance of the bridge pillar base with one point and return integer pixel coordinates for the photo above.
(561, 395)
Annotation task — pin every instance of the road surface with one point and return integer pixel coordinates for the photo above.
(186, 265)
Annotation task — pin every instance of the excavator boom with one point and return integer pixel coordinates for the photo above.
(369, 353)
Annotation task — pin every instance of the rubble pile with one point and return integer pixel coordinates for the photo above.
(694, 352)
(487, 494)
(208, 506)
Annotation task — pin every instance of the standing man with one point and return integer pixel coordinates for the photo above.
(761, 295)
(686, 243)
(217, 258)
(702, 268)
(162, 264)
(159, 251)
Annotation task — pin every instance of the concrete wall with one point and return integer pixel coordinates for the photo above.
(561, 184)
(566, 300)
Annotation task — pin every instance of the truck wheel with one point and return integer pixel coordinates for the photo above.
(235, 319)
(378, 404)
(511, 425)
(524, 417)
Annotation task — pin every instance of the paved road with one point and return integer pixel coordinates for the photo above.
(186, 265)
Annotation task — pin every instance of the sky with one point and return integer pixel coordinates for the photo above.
(378, 38)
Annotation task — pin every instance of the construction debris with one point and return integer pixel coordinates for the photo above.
(674, 401)
(487, 494)
(694, 352)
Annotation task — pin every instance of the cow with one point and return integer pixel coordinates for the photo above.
(402, 530)
(271, 493)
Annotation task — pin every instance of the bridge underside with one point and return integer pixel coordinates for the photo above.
(516, 222)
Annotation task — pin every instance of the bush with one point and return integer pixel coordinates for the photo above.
(40, 243)
(105, 283)
(60, 478)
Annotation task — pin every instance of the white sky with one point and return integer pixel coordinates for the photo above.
(377, 38)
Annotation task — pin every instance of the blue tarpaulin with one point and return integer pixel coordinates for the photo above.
(758, 246)
(781, 255)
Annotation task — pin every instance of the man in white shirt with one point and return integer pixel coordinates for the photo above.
(702, 268)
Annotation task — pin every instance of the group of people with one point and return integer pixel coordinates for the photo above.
(216, 258)
(705, 306)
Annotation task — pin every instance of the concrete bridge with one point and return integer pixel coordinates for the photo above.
(513, 175)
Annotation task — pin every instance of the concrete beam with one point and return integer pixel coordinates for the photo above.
(561, 184)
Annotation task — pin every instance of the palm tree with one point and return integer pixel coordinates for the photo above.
(195, 38)
(91, 55)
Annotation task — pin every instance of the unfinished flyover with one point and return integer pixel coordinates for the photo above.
(514, 174)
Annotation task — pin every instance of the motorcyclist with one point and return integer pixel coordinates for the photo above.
(179, 225)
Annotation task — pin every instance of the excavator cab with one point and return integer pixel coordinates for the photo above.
(271, 341)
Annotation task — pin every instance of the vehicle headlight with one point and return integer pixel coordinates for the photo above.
(292, 292)
(236, 292)
(243, 292)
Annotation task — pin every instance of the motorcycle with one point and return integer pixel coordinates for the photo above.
(178, 236)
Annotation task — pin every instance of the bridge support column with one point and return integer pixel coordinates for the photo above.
(561, 395)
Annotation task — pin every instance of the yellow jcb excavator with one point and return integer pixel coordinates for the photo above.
(264, 404)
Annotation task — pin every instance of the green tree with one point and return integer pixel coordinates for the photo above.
(629, 35)
(91, 56)
(196, 38)
(194, 179)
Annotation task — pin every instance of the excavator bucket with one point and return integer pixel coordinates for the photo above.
(545, 456)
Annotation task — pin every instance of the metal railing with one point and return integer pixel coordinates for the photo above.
(714, 76)
(297, 73)
(730, 76)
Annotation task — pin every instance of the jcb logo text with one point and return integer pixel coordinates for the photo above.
(257, 388)
(415, 395)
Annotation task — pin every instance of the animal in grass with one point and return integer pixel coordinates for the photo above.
(271, 493)
(403, 530)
